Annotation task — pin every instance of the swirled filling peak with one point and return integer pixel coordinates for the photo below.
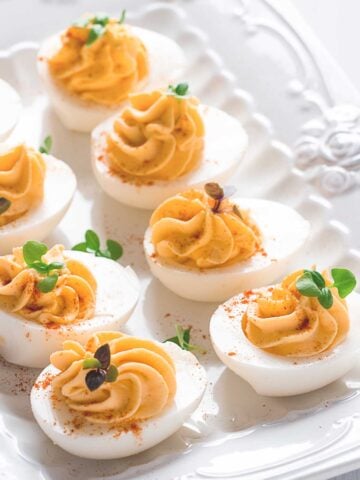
(70, 299)
(195, 230)
(159, 136)
(22, 174)
(135, 380)
(100, 61)
(282, 321)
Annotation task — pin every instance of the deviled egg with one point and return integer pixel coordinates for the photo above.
(293, 337)
(205, 247)
(90, 69)
(35, 192)
(49, 296)
(10, 109)
(163, 143)
(116, 397)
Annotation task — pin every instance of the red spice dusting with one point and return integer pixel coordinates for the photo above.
(52, 325)
(247, 293)
(45, 382)
(231, 354)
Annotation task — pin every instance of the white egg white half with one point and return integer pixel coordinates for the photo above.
(225, 145)
(10, 109)
(284, 233)
(166, 64)
(275, 375)
(97, 441)
(40, 221)
(29, 343)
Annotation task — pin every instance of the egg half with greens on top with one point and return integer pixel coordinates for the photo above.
(49, 296)
(292, 337)
(90, 69)
(162, 143)
(116, 396)
(205, 246)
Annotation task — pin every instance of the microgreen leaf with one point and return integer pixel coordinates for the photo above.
(182, 339)
(317, 278)
(95, 378)
(100, 19)
(5, 204)
(33, 251)
(214, 190)
(115, 249)
(179, 91)
(91, 363)
(55, 266)
(312, 284)
(111, 374)
(103, 355)
(122, 17)
(92, 240)
(80, 247)
(46, 146)
(325, 298)
(217, 193)
(306, 285)
(48, 283)
(39, 267)
(92, 245)
(95, 32)
(344, 281)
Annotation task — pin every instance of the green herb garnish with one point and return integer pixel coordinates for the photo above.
(102, 371)
(312, 284)
(46, 146)
(182, 338)
(92, 245)
(217, 193)
(95, 32)
(32, 253)
(122, 17)
(180, 91)
(5, 204)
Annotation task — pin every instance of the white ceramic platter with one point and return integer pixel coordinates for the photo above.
(235, 433)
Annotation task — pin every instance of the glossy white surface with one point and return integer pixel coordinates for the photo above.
(313, 436)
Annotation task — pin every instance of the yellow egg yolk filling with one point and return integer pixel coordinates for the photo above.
(185, 230)
(104, 72)
(22, 174)
(158, 137)
(72, 300)
(282, 321)
(145, 385)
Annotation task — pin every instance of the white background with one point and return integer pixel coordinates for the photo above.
(337, 24)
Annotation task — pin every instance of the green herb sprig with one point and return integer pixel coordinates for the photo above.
(97, 25)
(217, 193)
(180, 91)
(312, 284)
(101, 369)
(32, 253)
(182, 339)
(46, 146)
(5, 204)
(92, 245)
